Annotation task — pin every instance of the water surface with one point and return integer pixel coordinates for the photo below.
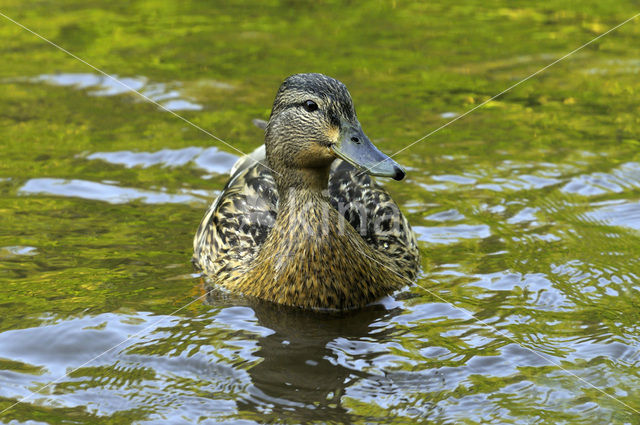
(527, 212)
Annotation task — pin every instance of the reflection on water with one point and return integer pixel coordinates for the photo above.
(624, 177)
(11, 251)
(210, 159)
(451, 234)
(527, 212)
(310, 362)
(168, 95)
(100, 192)
(625, 214)
(261, 359)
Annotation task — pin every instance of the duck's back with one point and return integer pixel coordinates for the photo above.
(239, 220)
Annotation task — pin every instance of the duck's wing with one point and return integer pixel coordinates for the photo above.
(258, 155)
(239, 220)
(372, 212)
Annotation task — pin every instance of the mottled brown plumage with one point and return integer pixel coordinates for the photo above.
(303, 228)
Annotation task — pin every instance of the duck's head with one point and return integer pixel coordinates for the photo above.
(312, 122)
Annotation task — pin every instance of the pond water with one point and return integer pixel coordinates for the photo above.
(527, 211)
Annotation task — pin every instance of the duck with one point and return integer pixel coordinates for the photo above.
(301, 221)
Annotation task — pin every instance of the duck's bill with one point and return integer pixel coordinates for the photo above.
(356, 148)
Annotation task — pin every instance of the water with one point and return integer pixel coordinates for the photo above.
(527, 212)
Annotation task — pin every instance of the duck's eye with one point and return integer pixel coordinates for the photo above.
(310, 105)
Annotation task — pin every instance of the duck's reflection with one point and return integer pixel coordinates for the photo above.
(302, 376)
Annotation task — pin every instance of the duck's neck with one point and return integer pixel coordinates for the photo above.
(305, 215)
(308, 181)
(304, 212)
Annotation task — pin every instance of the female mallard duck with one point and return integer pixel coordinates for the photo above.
(300, 227)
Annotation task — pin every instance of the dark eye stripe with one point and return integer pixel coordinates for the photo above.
(333, 118)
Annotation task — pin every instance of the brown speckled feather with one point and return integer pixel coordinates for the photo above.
(237, 224)
(374, 215)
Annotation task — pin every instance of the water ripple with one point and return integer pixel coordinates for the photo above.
(452, 234)
(625, 177)
(625, 214)
(169, 95)
(210, 159)
(102, 192)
